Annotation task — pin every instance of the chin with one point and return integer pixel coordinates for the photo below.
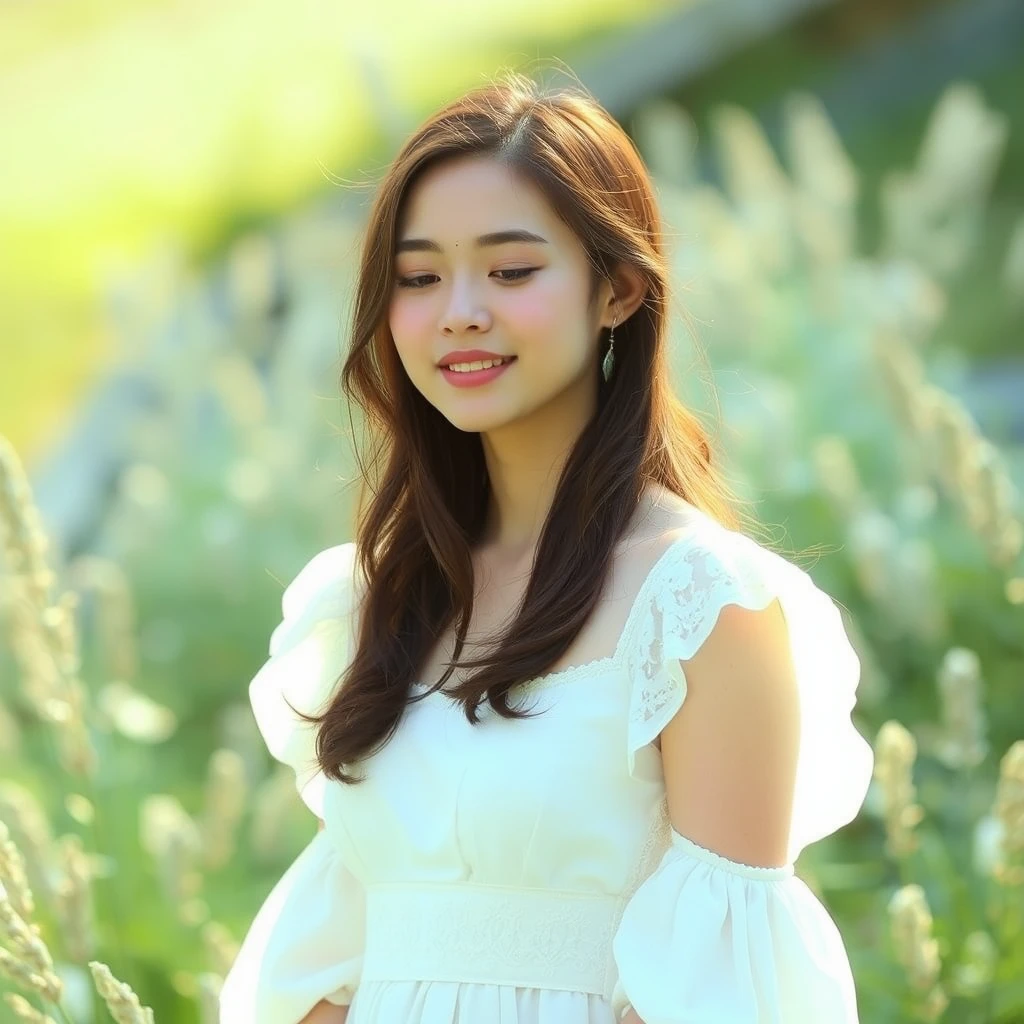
(487, 416)
(476, 424)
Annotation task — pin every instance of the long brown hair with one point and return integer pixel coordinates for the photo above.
(422, 509)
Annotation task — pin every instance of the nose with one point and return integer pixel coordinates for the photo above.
(463, 312)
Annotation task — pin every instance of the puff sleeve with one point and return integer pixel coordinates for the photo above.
(705, 939)
(306, 941)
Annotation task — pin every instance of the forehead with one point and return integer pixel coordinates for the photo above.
(459, 199)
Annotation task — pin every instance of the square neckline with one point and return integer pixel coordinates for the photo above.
(608, 661)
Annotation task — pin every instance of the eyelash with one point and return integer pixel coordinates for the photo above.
(521, 274)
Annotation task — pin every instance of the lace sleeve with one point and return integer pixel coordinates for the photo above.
(703, 572)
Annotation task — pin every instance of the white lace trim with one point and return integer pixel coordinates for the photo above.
(621, 655)
(680, 610)
(672, 614)
(725, 567)
(570, 674)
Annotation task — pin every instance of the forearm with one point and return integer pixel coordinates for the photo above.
(631, 1017)
(326, 1013)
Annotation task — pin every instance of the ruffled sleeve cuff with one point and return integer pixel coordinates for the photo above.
(706, 940)
(305, 944)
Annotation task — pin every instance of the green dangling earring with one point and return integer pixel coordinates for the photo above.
(609, 359)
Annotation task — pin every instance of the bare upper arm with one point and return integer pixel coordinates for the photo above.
(320, 827)
(730, 752)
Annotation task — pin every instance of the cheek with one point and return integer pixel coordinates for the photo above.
(409, 321)
(544, 309)
(413, 329)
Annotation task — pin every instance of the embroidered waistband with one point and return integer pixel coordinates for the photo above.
(490, 934)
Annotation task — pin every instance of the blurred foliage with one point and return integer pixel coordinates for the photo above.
(174, 122)
(807, 55)
(123, 718)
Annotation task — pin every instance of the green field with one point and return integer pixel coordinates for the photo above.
(130, 127)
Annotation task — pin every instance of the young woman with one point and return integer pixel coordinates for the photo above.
(594, 816)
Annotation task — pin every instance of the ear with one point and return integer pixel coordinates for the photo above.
(623, 298)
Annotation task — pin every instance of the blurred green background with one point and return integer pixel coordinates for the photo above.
(181, 194)
(131, 125)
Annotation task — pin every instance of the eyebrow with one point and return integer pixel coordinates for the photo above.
(493, 238)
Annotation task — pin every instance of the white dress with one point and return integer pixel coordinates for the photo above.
(526, 872)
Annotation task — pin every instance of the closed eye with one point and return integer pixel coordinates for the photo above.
(422, 280)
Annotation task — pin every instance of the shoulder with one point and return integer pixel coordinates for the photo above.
(662, 519)
(677, 540)
(760, 656)
(703, 584)
(309, 649)
(322, 591)
(670, 538)
(732, 579)
(328, 568)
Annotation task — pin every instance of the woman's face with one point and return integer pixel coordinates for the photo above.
(523, 298)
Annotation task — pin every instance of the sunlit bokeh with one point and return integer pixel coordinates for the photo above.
(182, 188)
